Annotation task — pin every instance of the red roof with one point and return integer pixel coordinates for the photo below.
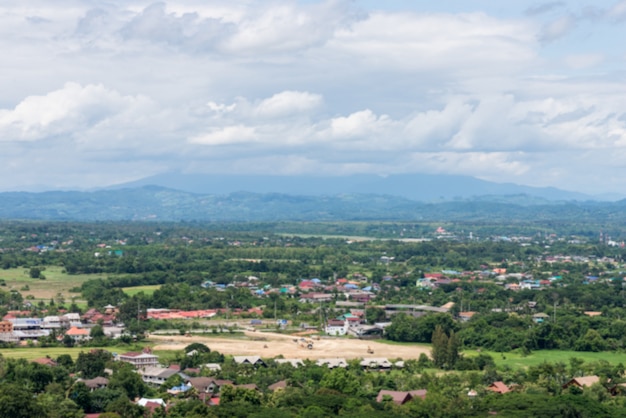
(499, 387)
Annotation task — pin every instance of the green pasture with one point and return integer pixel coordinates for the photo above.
(31, 353)
(516, 360)
(148, 289)
(56, 282)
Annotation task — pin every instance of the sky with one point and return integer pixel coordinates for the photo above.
(102, 92)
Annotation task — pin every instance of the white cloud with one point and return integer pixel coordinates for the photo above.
(288, 103)
(286, 86)
(66, 111)
(226, 135)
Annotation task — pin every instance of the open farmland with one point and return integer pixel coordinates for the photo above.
(148, 289)
(56, 282)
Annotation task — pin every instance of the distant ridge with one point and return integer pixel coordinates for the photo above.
(417, 187)
(155, 203)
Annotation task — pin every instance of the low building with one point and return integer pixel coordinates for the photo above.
(336, 327)
(498, 387)
(252, 360)
(332, 363)
(139, 360)
(78, 334)
(400, 397)
(156, 376)
(582, 382)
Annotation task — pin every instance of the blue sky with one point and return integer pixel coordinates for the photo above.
(100, 93)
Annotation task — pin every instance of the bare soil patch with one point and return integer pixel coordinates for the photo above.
(270, 345)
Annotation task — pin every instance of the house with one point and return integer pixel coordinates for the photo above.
(498, 387)
(398, 397)
(207, 384)
(156, 376)
(582, 382)
(540, 317)
(315, 297)
(295, 362)
(253, 360)
(78, 334)
(139, 360)
(332, 363)
(145, 401)
(214, 367)
(278, 386)
(46, 361)
(466, 316)
(376, 363)
(336, 327)
(95, 383)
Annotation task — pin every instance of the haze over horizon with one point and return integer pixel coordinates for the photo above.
(531, 93)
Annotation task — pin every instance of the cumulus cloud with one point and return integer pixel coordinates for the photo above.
(288, 86)
(288, 103)
(64, 112)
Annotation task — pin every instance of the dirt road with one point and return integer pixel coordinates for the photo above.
(267, 344)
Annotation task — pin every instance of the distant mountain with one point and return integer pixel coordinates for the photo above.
(162, 204)
(417, 187)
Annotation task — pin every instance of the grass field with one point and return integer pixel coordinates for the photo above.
(516, 361)
(148, 290)
(56, 282)
(31, 353)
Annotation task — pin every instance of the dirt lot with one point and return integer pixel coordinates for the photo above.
(268, 344)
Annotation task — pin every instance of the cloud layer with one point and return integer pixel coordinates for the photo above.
(98, 95)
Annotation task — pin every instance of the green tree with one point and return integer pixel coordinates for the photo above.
(17, 402)
(439, 350)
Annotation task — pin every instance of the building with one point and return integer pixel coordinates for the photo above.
(78, 334)
(399, 397)
(498, 387)
(156, 376)
(336, 327)
(139, 360)
(253, 360)
(582, 382)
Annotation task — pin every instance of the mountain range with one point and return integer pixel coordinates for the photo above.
(180, 197)
(417, 187)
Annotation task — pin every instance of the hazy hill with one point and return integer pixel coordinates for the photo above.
(418, 187)
(158, 203)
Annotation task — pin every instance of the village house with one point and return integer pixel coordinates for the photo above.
(332, 363)
(582, 382)
(336, 327)
(295, 362)
(380, 364)
(95, 383)
(156, 376)
(252, 360)
(398, 397)
(78, 334)
(498, 387)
